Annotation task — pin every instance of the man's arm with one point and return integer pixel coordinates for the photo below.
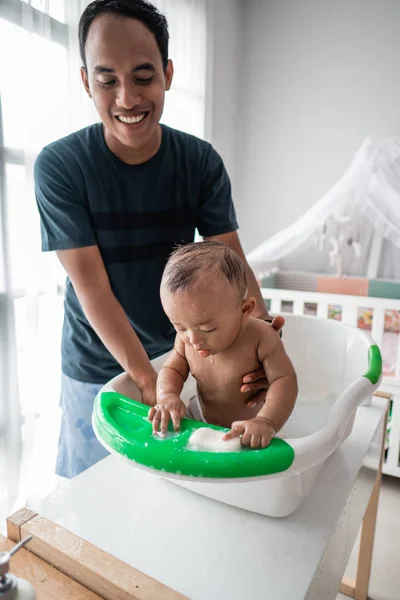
(67, 228)
(217, 216)
(89, 278)
(232, 239)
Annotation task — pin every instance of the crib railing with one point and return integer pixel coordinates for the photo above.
(350, 306)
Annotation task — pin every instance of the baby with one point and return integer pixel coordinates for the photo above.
(203, 293)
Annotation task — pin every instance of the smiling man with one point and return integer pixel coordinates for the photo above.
(114, 199)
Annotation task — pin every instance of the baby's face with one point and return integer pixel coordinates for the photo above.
(207, 321)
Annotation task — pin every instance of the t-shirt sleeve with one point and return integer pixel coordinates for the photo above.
(65, 219)
(216, 212)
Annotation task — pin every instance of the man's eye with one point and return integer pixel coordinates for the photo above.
(106, 83)
(144, 80)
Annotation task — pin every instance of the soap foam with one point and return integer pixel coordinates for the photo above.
(210, 440)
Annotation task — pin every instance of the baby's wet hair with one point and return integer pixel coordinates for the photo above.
(193, 267)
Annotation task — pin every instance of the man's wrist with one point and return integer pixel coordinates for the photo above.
(144, 379)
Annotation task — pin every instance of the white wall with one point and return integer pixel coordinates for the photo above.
(318, 77)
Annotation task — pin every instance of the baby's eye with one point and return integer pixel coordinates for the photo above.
(208, 330)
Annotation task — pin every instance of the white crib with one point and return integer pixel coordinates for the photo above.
(350, 306)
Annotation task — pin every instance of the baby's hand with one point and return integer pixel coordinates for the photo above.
(257, 432)
(171, 407)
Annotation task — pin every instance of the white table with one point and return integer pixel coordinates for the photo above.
(210, 551)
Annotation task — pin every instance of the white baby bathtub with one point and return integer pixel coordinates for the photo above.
(338, 368)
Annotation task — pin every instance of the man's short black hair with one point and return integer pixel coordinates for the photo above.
(142, 10)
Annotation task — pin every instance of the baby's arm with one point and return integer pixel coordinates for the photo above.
(282, 392)
(281, 395)
(170, 382)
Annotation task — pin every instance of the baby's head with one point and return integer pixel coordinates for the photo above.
(204, 294)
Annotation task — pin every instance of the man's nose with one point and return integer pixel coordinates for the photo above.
(128, 96)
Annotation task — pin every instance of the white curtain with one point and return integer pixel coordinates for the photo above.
(42, 99)
(185, 102)
(38, 106)
(10, 413)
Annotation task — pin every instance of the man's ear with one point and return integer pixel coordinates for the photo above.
(248, 306)
(85, 81)
(169, 74)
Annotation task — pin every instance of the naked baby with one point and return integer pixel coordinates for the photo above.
(204, 294)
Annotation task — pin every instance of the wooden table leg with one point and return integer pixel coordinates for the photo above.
(358, 589)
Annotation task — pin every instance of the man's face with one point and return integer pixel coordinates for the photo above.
(126, 79)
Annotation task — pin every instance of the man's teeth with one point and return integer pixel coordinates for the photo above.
(135, 119)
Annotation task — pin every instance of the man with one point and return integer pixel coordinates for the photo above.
(114, 199)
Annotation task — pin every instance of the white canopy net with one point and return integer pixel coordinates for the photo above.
(364, 202)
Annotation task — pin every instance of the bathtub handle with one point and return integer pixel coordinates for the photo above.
(374, 372)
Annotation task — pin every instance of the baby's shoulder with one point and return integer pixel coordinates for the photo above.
(264, 336)
(258, 327)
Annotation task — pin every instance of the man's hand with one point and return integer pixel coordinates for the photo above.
(278, 322)
(170, 407)
(256, 381)
(256, 433)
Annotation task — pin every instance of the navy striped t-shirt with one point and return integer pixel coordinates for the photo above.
(136, 214)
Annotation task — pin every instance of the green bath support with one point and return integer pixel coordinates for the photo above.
(122, 426)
